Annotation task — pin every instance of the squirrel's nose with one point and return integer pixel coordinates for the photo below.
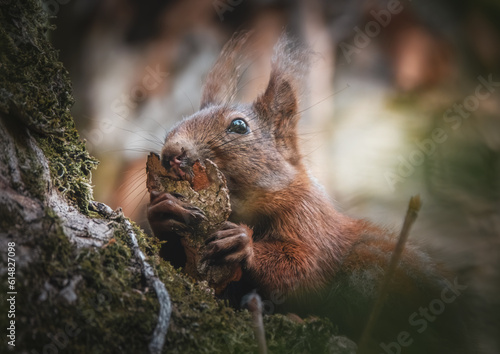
(171, 154)
(172, 161)
(172, 158)
(175, 161)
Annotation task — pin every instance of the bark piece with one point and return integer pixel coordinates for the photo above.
(207, 191)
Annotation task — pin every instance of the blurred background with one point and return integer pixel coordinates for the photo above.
(403, 99)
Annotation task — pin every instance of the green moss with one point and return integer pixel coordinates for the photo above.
(114, 310)
(35, 89)
(202, 324)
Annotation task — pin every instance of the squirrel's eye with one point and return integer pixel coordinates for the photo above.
(238, 126)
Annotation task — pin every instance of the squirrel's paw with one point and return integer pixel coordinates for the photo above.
(167, 213)
(231, 244)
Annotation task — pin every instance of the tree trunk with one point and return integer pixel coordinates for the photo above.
(76, 276)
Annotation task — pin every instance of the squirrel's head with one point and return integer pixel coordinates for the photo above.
(254, 145)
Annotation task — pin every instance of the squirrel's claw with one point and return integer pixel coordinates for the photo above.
(232, 244)
(166, 213)
(196, 214)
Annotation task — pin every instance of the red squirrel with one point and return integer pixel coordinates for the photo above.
(284, 230)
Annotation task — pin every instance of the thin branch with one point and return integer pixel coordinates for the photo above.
(157, 342)
(254, 304)
(411, 216)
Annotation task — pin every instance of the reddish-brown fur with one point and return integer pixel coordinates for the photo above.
(284, 230)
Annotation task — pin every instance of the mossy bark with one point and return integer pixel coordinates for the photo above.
(80, 287)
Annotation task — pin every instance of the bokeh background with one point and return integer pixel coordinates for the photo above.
(403, 99)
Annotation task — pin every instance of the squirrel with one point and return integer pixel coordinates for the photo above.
(284, 231)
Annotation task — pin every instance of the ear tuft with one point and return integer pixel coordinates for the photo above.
(221, 82)
(279, 104)
(289, 68)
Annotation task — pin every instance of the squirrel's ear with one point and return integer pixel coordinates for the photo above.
(221, 82)
(279, 104)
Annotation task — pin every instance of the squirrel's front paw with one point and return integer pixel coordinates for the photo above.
(168, 214)
(231, 244)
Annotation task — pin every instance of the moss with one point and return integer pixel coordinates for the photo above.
(29, 167)
(202, 324)
(114, 310)
(35, 89)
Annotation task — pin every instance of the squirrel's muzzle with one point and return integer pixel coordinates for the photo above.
(176, 160)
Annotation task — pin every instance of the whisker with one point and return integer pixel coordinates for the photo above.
(324, 99)
(190, 102)
(158, 142)
(221, 135)
(236, 138)
(140, 203)
(133, 187)
(138, 150)
(135, 180)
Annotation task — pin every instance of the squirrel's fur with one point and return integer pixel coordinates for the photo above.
(285, 232)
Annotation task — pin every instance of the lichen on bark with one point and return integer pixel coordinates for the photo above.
(80, 288)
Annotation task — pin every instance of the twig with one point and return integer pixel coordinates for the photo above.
(156, 344)
(254, 304)
(411, 216)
